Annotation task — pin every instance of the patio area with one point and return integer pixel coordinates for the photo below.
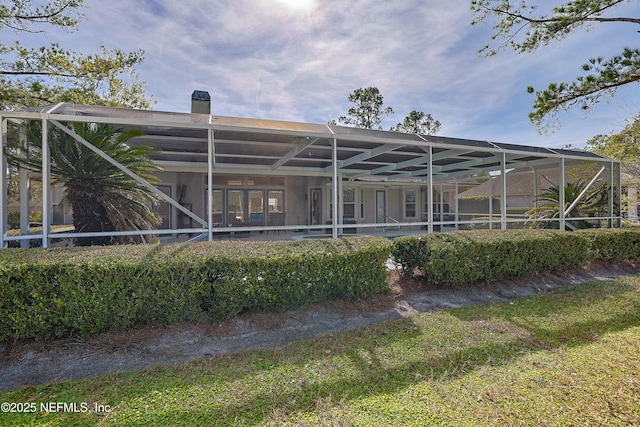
(231, 177)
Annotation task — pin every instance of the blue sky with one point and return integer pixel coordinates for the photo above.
(300, 59)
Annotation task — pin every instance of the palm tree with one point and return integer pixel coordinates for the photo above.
(590, 205)
(102, 197)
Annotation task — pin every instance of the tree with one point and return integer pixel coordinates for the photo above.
(590, 205)
(103, 198)
(520, 27)
(623, 146)
(418, 122)
(31, 77)
(368, 112)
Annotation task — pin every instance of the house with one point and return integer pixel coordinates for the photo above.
(230, 176)
(630, 196)
(524, 184)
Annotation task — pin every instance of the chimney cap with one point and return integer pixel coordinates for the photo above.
(200, 95)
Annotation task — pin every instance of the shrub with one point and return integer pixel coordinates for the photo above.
(613, 245)
(486, 255)
(58, 292)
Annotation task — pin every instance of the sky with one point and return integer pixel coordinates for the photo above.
(299, 60)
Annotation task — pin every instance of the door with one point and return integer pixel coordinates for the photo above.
(235, 207)
(381, 206)
(315, 206)
(256, 208)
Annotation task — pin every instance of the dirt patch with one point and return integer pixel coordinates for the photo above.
(38, 362)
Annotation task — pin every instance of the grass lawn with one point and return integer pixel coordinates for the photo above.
(557, 359)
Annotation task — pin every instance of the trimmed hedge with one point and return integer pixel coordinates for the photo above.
(59, 292)
(464, 257)
(613, 245)
(486, 255)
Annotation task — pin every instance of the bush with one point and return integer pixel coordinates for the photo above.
(57, 292)
(613, 245)
(485, 255)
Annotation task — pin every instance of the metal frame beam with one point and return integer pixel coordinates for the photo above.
(46, 183)
(366, 155)
(583, 192)
(292, 140)
(124, 169)
(561, 199)
(294, 152)
(334, 185)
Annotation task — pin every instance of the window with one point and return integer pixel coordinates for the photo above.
(235, 180)
(242, 207)
(218, 208)
(410, 203)
(349, 203)
(275, 201)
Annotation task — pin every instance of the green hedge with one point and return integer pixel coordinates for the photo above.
(485, 255)
(58, 292)
(613, 245)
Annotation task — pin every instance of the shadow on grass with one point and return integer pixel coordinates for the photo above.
(571, 317)
(579, 309)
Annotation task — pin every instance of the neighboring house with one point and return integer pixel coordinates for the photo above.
(227, 176)
(524, 184)
(630, 188)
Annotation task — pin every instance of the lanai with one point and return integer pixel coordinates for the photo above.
(296, 157)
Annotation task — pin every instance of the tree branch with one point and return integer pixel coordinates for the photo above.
(35, 73)
(42, 17)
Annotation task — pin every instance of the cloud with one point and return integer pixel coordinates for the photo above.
(299, 60)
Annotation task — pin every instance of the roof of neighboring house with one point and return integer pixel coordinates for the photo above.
(33, 205)
(518, 185)
(520, 182)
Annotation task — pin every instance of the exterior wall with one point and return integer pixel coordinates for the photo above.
(297, 199)
(369, 205)
(296, 192)
(477, 207)
(632, 201)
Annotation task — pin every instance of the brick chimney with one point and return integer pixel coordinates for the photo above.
(200, 102)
